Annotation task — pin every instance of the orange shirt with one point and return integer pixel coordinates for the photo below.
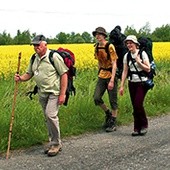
(104, 62)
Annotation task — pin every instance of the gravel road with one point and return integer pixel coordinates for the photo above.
(102, 151)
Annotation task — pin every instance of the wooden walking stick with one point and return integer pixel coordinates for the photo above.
(13, 107)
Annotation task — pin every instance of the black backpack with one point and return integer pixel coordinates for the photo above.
(117, 39)
(146, 44)
(69, 60)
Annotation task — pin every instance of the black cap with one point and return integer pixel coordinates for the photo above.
(37, 39)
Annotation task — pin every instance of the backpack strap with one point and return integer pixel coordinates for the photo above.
(33, 58)
(30, 93)
(133, 62)
(35, 90)
(129, 57)
(106, 47)
(139, 73)
(107, 50)
(51, 57)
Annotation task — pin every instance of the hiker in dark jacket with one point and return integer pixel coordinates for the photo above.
(135, 83)
(106, 78)
(52, 86)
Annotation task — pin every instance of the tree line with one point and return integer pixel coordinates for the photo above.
(160, 34)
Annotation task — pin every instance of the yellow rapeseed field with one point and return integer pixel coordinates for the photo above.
(83, 52)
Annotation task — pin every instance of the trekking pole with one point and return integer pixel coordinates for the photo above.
(13, 107)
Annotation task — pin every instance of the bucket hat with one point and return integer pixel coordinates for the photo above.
(38, 39)
(132, 38)
(99, 30)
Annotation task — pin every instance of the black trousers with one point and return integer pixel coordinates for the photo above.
(137, 95)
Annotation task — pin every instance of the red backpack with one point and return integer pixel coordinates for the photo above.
(69, 59)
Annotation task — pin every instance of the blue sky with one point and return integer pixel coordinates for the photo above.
(54, 16)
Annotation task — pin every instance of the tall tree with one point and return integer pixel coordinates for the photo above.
(22, 37)
(162, 34)
(145, 30)
(130, 30)
(61, 38)
(5, 39)
(87, 37)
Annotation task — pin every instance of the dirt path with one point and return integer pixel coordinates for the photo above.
(102, 151)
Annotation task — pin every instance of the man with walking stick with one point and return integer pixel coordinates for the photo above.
(52, 85)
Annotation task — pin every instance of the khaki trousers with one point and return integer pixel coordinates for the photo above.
(50, 109)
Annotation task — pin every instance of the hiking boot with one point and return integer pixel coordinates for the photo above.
(53, 151)
(112, 125)
(107, 117)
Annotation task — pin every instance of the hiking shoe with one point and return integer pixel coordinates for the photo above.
(47, 148)
(112, 125)
(107, 117)
(53, 151)
(135, 133)
(143, 132)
